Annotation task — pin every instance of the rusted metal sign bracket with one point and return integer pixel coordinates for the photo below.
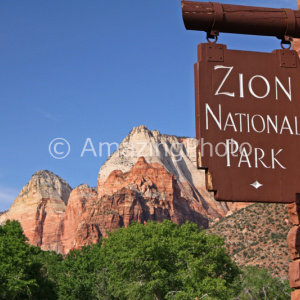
(291, 24)
(218, 19)
(213, 52)
(288, 58)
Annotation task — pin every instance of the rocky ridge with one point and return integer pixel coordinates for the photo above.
(256, 235)
(40, 207)
(177, 155)
(146, 192)
(142, 186)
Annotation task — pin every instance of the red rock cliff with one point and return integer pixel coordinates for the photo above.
(163, 183)
(146, 192)
(40, 208)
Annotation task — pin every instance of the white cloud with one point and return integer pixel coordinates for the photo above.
(7, 197)
(46, 115)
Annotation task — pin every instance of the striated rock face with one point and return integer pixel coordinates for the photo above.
(40, 207)
(152, 177)
(3, 217)
(177, 155)
(167, 150)
(72, 224)
(146, 192)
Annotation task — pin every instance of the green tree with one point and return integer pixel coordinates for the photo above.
(152, 261)
(78, 274)
(21, 269)
(167, 261)
(48, 282)
(254, 283)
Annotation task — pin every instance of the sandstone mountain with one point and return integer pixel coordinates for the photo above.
(152, 177)
(177, 155)
(40, 207)
(146, 192)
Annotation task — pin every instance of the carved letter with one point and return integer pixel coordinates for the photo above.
(259, 158)
(288, 94)
(207, 108)
(222, 83)
(267, 85)
(274, 159)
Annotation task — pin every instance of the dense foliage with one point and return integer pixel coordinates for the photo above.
(23, 272)
(152, 261)
(255, 283)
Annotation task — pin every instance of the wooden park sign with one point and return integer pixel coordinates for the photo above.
(248, 123)
(247, 115)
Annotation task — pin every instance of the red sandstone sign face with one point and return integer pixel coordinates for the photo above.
(248, 123)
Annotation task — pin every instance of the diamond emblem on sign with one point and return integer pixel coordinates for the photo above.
(256, 184)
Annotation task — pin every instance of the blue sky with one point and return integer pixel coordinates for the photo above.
(94, 69)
